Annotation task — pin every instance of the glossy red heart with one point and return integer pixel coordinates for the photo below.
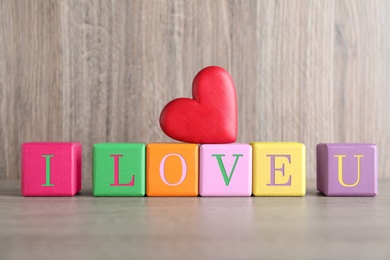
(210, 117)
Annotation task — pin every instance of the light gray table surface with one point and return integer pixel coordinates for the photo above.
(87, 227)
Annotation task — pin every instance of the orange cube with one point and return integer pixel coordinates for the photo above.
(172, 169)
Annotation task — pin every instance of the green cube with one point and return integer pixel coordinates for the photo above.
(118, 169)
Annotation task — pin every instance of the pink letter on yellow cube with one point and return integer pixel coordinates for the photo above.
(225, 170)
(51, 169)
(279, 169)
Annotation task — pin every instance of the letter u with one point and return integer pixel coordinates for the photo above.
(340, 170)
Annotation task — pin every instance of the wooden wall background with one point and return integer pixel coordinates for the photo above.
(101, 71)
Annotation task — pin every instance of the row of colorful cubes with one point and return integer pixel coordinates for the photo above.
(185, 169)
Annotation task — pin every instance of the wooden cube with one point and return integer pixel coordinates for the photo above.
(347, 169)
(51, 169)
(172, 169)
(119, 169)
(225, 170)
(279, 169)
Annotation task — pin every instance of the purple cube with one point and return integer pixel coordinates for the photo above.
(347, 169)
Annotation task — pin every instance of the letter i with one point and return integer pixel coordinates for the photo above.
(47, 156)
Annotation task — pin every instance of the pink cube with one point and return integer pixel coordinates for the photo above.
(51, 169)
(225, 170)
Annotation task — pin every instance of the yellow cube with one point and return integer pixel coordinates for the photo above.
(279, 169)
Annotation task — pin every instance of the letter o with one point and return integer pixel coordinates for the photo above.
(183, 169)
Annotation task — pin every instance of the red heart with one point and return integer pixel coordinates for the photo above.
(210, 117)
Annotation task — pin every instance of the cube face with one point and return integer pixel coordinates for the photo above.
(347, 169)
(119, 169)
(51, 169)
(172, 169)
(279, 169)
(225, 170)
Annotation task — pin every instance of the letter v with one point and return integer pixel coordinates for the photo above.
(222, 167)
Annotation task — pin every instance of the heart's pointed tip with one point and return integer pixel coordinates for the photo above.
(206, 139)
(188, 137)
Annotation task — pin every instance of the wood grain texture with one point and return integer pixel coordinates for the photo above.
(101, 71)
